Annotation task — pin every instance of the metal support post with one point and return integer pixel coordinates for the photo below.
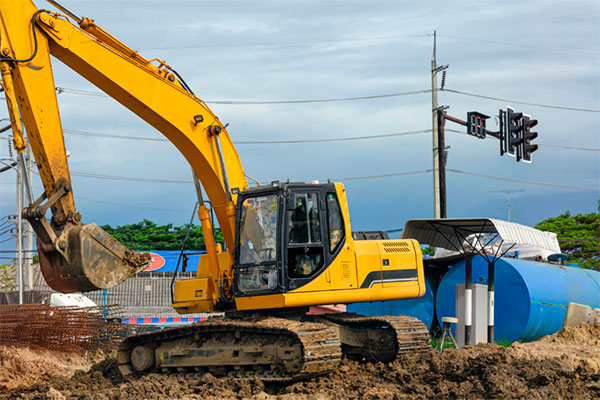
(491, 278)
(28, 174)
(468, 298)
(19, 236)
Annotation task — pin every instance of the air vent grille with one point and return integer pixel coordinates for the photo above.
(396, 247)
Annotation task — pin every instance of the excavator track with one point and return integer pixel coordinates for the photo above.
(272, 349)
(378, 339)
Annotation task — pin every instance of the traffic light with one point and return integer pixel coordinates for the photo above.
(476, 124)
(514, 132)
(526, 147)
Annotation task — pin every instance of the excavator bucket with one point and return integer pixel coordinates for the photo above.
(88, 258)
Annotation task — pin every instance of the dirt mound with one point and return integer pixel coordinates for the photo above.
(585, 334)
(576, 347)
(25, 367)
(529, 370)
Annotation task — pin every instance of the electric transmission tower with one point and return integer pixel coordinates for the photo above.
(508, 193)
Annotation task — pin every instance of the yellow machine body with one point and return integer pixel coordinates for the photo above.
(256, 271)
(362, 270)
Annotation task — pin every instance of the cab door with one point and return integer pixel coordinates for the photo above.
(304, 254)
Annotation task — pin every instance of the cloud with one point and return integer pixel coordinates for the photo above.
(538, 51)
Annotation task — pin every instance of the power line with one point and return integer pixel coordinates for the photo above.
(386, 135)
(77, 197)
(378, 136)
(423, 171)
(521, 181)
(292, 43)
(338, 99)
(350, 138)
(259, 102)
(379, 96)
(126, 178)
(138, 179)
(106, 135)
(520, 102)
(513, 44)
(567, 147)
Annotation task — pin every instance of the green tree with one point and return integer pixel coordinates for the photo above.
(428, 250)
(578, 236)
(7, 277)
(147, 235)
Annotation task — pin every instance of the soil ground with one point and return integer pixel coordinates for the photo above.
(564, 365)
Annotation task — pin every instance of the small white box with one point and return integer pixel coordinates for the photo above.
(479, 318)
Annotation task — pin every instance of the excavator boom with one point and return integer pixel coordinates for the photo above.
(76, 257)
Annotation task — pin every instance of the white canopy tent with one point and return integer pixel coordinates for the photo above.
(484, 236)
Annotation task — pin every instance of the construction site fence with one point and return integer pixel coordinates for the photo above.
(146, 294)
(68, 329)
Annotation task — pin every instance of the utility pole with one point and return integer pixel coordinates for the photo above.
(19, 233)
(29, 229)
(434, 130)
(508, 192)
(439, 176)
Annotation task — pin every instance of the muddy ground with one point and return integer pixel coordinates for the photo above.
(564, 365)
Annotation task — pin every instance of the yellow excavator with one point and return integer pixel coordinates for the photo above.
(288, 246)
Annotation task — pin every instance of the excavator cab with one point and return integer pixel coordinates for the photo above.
(287, 235)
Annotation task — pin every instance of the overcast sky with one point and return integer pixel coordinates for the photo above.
(540, 52)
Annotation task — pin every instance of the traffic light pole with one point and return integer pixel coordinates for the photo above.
(442, 158)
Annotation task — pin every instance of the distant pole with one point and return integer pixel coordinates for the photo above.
(439, 149)
(468, 298)
(20, 230)
(491, 279)
(436, 146)
(29, 229)
(508, 203)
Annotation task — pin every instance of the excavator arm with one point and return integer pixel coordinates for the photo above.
(74, 256)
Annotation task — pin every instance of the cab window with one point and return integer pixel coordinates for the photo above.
(335, 222)
(303, 222)
(258, 230)
(305, 246)
(257, 248)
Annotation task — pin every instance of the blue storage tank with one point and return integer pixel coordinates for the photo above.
(421, 308)
(531, 298)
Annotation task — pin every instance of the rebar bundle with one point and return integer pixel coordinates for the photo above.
(69, 329)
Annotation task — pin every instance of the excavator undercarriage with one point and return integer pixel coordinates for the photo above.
(272, 348)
